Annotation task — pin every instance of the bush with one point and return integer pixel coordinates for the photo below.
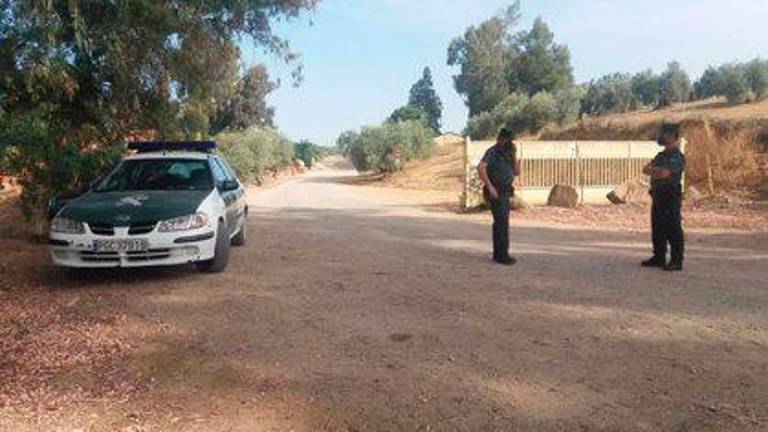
(733, 84)
(609, 94)
(646, 87)
(738, 82)
(519, 113)
(674, 85)
(33, 148)
(540, 110)
(307, 152)
(386, 148)
(254, 152)
(569, 104)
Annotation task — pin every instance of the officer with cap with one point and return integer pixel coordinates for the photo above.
(666, 172)
(497, 170)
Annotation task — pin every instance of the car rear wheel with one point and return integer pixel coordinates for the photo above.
(221, 254)
(242, 235)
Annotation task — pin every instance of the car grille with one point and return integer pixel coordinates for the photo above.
(139, 256)
(89, 256)
(150, 255)
(135, 229)
(144, 228)
(103, 230)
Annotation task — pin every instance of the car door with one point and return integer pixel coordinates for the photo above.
(240, 204)
(227, 194)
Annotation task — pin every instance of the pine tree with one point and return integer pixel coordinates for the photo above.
(424, 96)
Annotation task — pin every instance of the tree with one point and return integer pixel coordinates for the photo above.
(647, 88)
(733, 84)
(674, 84)
(306, 152)
(387, 147)
(756, 74)
(609, 94)
(483, 55)
(248, 106)
(424, 96)
(408, 113)
(93, 72)
(542, 65)
(708, 84)
(345, 141)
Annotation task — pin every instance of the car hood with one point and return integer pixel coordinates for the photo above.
(129, 208)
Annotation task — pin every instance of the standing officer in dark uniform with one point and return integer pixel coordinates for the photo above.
(497, 170)
(666, 172)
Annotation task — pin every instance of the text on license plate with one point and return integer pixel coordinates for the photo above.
(129, 245)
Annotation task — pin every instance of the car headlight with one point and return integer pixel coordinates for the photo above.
(67, 226)
(183, 223)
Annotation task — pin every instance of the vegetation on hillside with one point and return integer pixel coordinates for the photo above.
(524, 80)
(80, 77)
(256, 151)
(388, 147)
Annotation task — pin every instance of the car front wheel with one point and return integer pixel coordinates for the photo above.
(242, 236)
(221, 255)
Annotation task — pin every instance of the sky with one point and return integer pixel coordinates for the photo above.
(361, 57)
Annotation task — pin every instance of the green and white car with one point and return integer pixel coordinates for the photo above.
(168, 204)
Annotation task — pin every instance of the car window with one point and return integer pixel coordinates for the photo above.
(219, 175)
(228, 169)
(158, 174)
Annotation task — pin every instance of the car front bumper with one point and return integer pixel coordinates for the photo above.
(165, 249)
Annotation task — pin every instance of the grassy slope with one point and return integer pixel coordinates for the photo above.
(444, 171)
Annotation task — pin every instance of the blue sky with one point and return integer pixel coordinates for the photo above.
(362, 56)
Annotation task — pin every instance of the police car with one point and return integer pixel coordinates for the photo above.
(167, 204)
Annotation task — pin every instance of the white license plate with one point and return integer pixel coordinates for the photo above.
(128, 245)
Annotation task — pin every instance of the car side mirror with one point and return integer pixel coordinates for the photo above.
(229, 185)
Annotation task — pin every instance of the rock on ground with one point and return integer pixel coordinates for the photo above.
(631, 192)
(563, 196)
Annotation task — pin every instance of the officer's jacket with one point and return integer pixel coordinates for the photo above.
(500, 160)
(674, 161)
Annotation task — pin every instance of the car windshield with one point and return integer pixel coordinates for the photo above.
(158, 174)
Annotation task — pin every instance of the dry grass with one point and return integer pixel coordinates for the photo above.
(726, 149)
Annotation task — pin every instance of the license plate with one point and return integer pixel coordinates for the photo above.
(128, 245)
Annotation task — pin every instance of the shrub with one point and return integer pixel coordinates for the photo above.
(540, 110)
(33, 148)
(307, 152)
(386, 148)
(674, 85)
(520, 113)
(609, 94)
(733, 84)
(254, 152)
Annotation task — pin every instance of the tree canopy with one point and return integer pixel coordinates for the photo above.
(90, 73)
(423, 96)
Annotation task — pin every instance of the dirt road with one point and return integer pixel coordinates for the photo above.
(367, 309)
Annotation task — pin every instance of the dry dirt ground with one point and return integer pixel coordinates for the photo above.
(355, 308)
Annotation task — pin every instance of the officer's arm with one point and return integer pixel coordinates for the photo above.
(482, 170)
(658, 173)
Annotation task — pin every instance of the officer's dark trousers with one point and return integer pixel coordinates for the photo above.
(500, 209)
(667, 227)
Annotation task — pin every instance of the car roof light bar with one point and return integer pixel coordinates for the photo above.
(159, 146)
